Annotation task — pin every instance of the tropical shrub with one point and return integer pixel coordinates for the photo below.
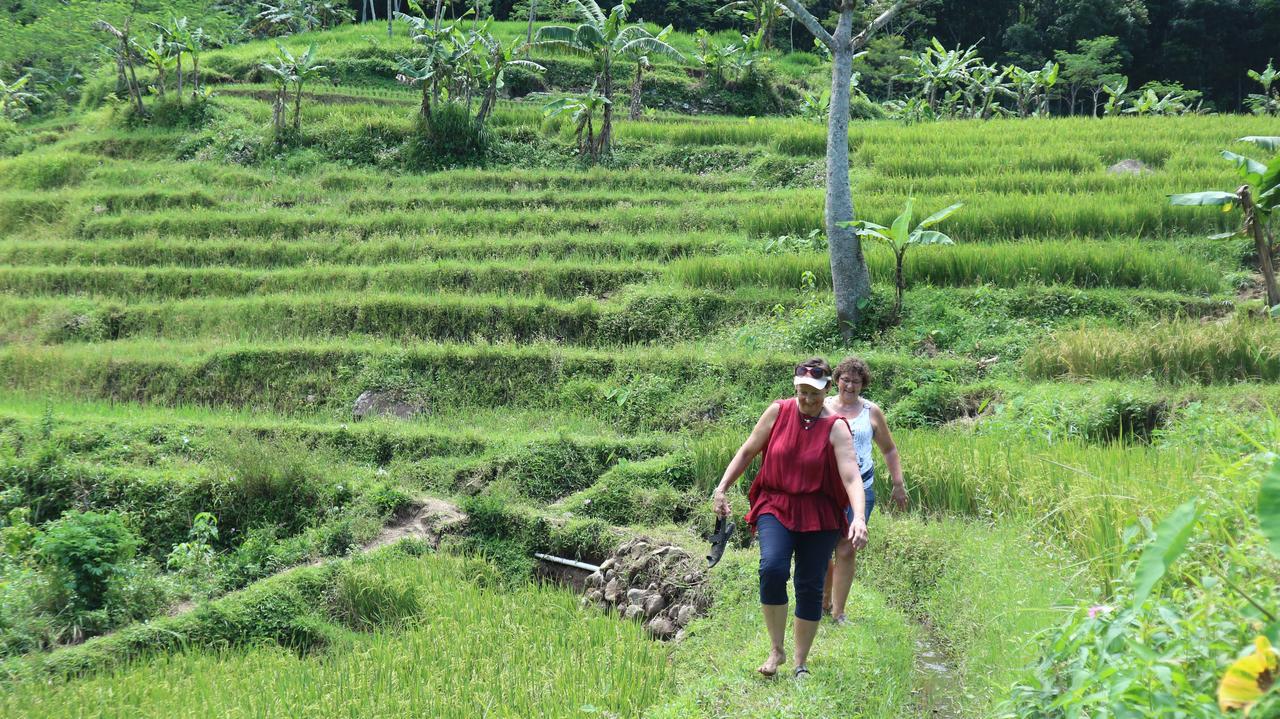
(86, 550)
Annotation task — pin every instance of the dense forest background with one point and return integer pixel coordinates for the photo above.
(1206, 45)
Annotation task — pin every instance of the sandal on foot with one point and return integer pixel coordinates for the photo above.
(802, 672)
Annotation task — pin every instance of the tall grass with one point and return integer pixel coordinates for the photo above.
(1081, 495)
(1178, 351)
(1079, 264)
(462, 651)
(352, 248)
(556, 279)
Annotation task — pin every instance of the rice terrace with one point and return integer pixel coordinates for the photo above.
(497, 359)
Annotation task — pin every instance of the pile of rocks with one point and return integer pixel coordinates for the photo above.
(655, 583)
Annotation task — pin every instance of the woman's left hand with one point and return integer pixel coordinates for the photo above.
(857, 533)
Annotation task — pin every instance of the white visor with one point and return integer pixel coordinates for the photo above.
(812, 382)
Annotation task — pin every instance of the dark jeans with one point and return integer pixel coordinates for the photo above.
(811, 550)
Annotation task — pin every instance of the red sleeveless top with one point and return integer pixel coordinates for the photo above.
(799, 481)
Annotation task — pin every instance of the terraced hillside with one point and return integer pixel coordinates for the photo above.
(582, 350)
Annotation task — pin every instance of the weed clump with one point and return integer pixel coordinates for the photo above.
(449, 138)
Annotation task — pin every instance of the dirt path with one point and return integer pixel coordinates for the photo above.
(426, 518)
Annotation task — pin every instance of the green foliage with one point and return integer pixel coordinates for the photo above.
(87, 550)
(47, 170)
(1171, 539)
(1162, 652)
(639, 493)
(1269, 507)
(449, 138)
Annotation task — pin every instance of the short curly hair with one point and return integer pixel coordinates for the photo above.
(853, 365)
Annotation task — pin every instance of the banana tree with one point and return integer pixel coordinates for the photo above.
(1258, 198)
(281, 73)
(15, 102)
(1032, 88)
(1115, 96)
(584, 109)
(183, 38)
(640, 54)
(160, 57)
(499, 59)
(304, 68)
(939, 70)
(604, 38)
(1268, 102)
(900, 236)
(762, 14)
(445, 53)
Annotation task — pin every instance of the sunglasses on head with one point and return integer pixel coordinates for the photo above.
(814, 372)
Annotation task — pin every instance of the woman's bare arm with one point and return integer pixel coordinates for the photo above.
(847, 463)
(884, 440)
(755, 443)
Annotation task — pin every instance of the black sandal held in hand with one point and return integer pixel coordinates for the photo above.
(719, 540)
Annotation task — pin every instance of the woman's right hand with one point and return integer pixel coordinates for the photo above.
(720, 503)
(857, 533)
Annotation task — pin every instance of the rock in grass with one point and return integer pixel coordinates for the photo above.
(371, 403)
(635, 596)
(653, 604)
(661, 627)
(612, 590)
(595, 579)
(684, 615)
(1129, 167)
(634, 611)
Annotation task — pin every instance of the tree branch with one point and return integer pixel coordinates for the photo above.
(810, 22)
(861, 38)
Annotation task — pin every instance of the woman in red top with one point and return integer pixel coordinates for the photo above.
(808, 475)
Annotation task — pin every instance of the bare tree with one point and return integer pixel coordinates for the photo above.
(125, 55)
(849, 277)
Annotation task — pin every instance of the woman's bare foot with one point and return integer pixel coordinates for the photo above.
(770, 666)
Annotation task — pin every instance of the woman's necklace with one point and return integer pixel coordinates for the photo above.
(806, 422)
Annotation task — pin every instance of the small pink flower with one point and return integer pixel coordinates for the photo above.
(1097, 609)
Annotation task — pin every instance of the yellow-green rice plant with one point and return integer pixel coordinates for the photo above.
(1181, 351)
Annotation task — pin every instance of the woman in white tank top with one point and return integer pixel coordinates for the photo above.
(868, 425)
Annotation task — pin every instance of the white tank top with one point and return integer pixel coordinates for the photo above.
(863, 431)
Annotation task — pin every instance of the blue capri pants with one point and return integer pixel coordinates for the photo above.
(812, 550)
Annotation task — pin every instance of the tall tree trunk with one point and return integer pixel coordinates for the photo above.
(637, 87)
(195, 75)
(439, 4)
(1261, 246)
(297, 108)
(486, 105)
(135, 89)
(390, 18)
(850, 280)
(122, 80)
(605, 139)
(899, 284)
(533, 13)
(179, 78)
